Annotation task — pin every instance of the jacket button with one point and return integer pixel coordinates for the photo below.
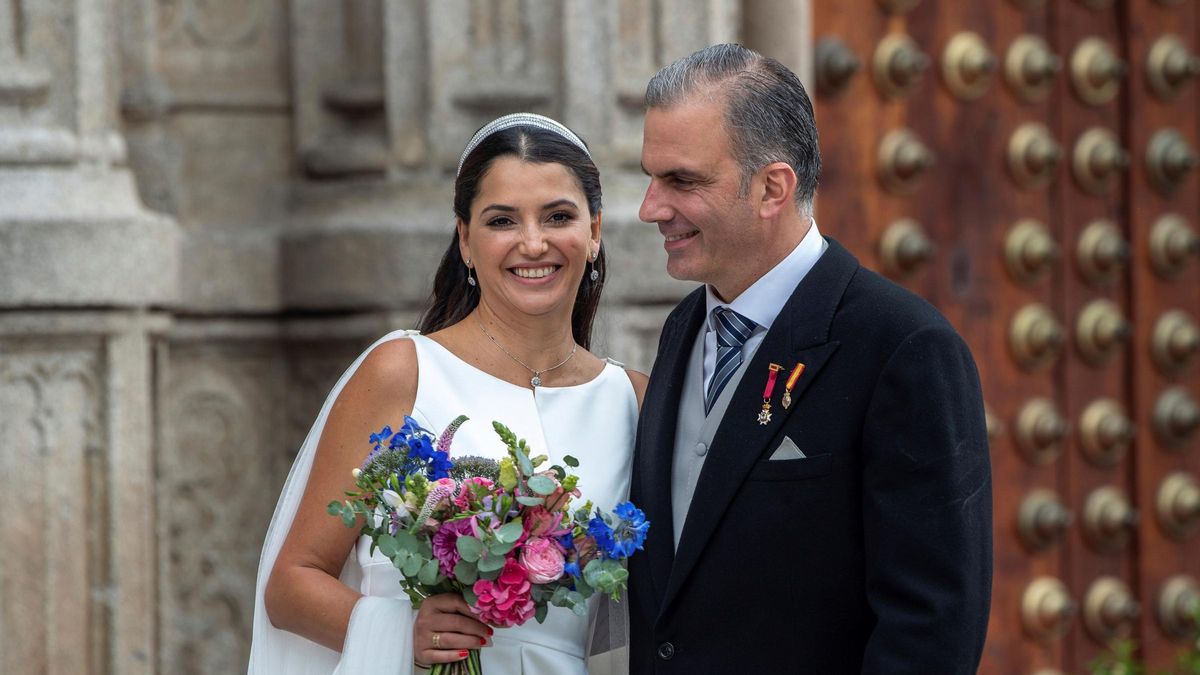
(665, 651)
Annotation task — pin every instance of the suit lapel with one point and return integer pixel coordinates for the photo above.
(656, 437)
(799, 334)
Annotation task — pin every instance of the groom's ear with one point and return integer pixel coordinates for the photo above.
(778, 189)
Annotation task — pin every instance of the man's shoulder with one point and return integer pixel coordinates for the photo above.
(873, 305)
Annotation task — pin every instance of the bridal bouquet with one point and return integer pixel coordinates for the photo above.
(508, 536)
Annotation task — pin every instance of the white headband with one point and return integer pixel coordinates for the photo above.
(518, 120)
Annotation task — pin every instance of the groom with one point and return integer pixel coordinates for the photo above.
(811, 450)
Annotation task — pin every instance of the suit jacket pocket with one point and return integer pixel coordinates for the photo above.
(792, 469)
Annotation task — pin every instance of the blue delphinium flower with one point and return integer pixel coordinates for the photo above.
(572, 568)
(382, 437)
(618, 543)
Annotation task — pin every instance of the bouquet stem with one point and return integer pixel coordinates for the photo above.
(468, 666)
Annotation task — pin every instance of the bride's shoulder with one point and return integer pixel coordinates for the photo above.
(389, 368)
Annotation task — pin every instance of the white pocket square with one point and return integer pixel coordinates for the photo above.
(787, 450)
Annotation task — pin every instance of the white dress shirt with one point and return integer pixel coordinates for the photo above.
(762, 302)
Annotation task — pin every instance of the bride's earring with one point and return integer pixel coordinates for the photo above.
(592, 262)
(470, 278)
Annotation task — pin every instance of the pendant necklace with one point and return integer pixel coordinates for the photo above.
(536, 380)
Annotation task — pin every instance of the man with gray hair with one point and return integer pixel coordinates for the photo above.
(811, 449)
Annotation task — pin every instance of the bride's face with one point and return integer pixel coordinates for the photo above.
(530, 237)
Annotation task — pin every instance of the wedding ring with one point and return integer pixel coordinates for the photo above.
(436, 641)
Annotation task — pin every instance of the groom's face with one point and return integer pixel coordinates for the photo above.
(694, 195)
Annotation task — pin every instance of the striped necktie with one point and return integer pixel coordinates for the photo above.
(733, 330)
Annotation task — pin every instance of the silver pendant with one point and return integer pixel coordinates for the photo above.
(536, 381)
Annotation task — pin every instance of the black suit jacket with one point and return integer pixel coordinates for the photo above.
(871, 555)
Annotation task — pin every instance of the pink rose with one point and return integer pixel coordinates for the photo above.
(504, 602)
(542, 559)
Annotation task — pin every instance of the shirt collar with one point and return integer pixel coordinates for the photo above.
(762, 302)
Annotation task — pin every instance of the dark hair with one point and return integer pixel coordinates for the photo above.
(768, 115)
(452, 298)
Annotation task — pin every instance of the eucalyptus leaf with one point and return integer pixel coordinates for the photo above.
(491, 563)
(466, 572)
(571, 461)
(412, 566)
(523, 460)
(469, 548)
(530, 501)
(335, 508)
(540, 613)
(470, 597)
(510, 532)
(429, 573)
(500, 547)
(348, 518)
(407, 541)
(388, 545)
(542, 485)
(560, 595)
(490, 575)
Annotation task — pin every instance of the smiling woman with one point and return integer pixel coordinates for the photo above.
(506, 338)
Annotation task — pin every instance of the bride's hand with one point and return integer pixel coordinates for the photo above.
(447, 617)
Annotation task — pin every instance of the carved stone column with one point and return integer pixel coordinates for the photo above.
(81, 261)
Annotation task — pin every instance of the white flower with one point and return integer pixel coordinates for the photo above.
(356, 473)
(392, 498)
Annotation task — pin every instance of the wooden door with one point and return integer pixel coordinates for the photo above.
(995, 157)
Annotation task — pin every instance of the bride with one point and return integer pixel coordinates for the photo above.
(505, 338)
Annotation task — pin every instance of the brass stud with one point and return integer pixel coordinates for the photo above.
(1172, 243)
(835, 65)
(1098, 159)
(994, 425)
(902, 159)
(1105, 432)
(1040, 431)
(1169, 66)
(1178, 505)
(1096, 71)
(1177, 604)
(1047, 609)
(1042, 520)
(1035, 337)
(968, 66)
(1029, 251)
(1169, 158)
(898, 65)
(1101, 331)
(1109, 521)
(1032, 155)
(1102, 252)
(1030, 67)
(1175, 342)
(904, 248)
(1176, 418)
(1109, 609)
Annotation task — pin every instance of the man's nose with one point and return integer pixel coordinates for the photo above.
(653, 209)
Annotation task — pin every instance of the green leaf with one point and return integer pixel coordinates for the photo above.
(407, 541)
(540, 613)
(335, 508)
(412, 566)
(537, 461)
(470, 597)
(500, 548)
(542, 485)
(530, 501)
(571, 462)
(560, 595)
(510, 532)
(469, 548)
(400, 558)
(523, 460)
(491, 563)
(348, 518)
(490, 575)
(388, 545)
(466, 572)
(429, 573)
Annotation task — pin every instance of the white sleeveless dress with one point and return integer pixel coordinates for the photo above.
(595, 422)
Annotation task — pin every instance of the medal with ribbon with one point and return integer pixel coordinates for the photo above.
(791, 384)
(764, 415)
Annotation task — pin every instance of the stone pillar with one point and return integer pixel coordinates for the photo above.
(782, 29)
(81, 263)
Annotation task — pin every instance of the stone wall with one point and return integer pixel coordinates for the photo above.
(207, 208)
